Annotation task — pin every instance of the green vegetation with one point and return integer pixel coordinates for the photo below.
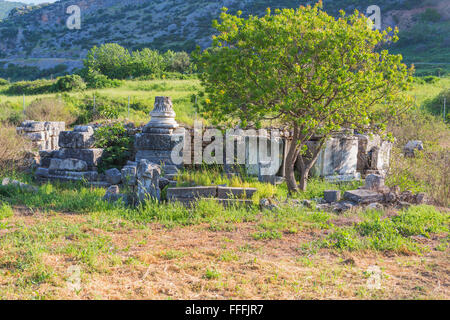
(253, 71)
(117, 145)
(390, 234)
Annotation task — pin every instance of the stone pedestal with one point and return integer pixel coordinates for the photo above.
(161, 138)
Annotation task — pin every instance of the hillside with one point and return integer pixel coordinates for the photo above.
(40, 32)
(7, 6)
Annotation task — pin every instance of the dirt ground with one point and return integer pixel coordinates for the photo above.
(194, 262)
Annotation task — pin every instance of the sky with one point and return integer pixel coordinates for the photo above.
(32, 1)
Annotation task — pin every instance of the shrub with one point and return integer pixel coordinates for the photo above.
(13, 148)
(431, 14)
(117, 145)
(31, 87)
(436, 105)
(431, 79)
(70, 83)
(49, 109)
(96, 80)
(3, 82)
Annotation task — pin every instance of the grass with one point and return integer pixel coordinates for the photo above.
(141, 93)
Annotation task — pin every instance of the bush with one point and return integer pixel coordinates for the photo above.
(436, 105)
(431, 15)
(69, 83)
(96, 80)
(117, 145)
(3, 82)
(31, 87)
(13, 148)
(49, 109)
(431, 79)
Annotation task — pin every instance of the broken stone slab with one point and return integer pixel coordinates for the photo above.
(362, 196)
(67, 165)
(90, 156)
(192, 192)
(235, 193)
(374, 182)
(331, 196)
(76, 140)
(113, 176)
(148, 175)
(74, 175)
(421, 198)
(159, 158)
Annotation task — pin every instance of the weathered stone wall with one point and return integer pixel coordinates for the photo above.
(44, 135)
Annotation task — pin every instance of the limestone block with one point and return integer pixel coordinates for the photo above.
(374, 182)
(32, 126)
(113, 176)
(148, 181)
(363, 196)
(90, 156)
(76, 140)
(192, 192)
(68, 165)
(233, 193)
(331, 196)
(148, 141)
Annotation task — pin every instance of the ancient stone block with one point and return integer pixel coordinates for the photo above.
(362, 196)
(232, 193)
(69, 164)
(410, 148)
(331, 196)
(91, 156)
(192, 192)
(76, 140)
(149, 141)
(113, 176)
(374, 182)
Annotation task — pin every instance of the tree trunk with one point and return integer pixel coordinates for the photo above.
(290, 177)
(307, 165)
(304, 179)
(291, 157)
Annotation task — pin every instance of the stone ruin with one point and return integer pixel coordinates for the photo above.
(71, 156)
(75, 160)
(44, 135)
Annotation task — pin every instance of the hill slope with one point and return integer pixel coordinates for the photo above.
(7, 6)
(40, 32)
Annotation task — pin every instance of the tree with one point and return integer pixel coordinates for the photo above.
(304, 69)
(110, 59)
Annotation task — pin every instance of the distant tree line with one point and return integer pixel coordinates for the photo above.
(116, 62)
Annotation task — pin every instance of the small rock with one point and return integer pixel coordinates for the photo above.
(410, 148)
(406, 196)
(22, 186)
(307, 203)
(395, 190)
(113, 176)
(375, 206)
(421, 198)
(390, 197)
(113, 194)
